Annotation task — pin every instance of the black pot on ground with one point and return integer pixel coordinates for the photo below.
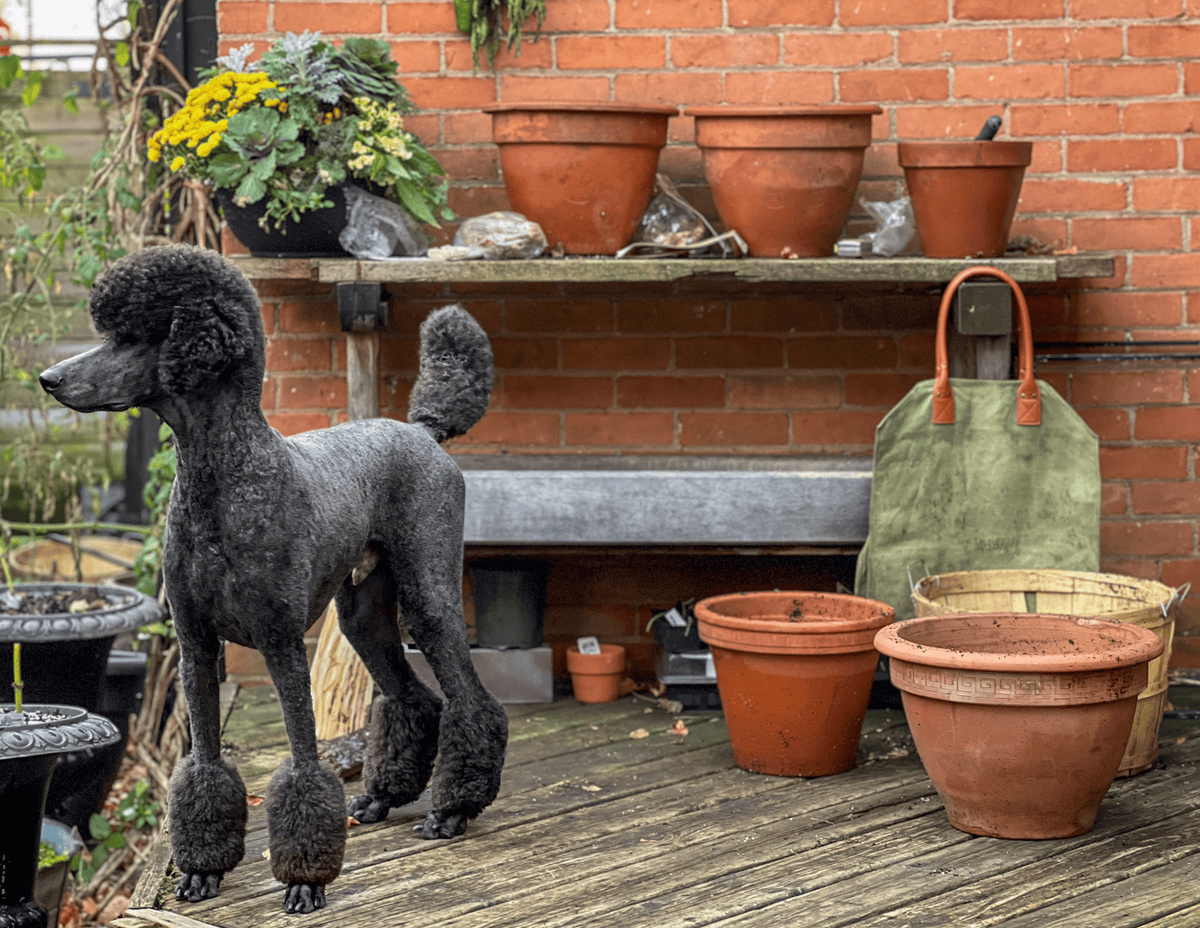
(30, 742)
(314, 236)
(510, 601)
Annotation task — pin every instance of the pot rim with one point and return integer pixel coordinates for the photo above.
(880, 614)
(958, 153)
(774, 110)
(70, 729)
(567, 106)
(127, 610)
(1123, 644)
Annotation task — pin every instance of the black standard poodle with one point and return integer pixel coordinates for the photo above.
(263, 531)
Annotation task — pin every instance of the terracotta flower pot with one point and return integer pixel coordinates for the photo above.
(784, 176)
(794, 671)
(1020, 718)
(596, 677)
(964, 194)
(584, 172)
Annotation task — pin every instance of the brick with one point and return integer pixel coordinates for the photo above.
(235, 17)
(668, 14)
(784, 392)
(1182, 117)
(308, 318)
(730, 352)
(329, 16)
(575, 316)
(751, 13)
(1191, 154)
(518, 88)
(611, 52)
(312, 392)
(515, 430)
(784, 315)
(1174, 574)
(1109, 423)
(1114, 500)
(577, 16)
(879, 390)
(1180, 271)
(1122, 80)
(1164, 40)
(1009, 82)
(1149, 154)
(532, 53)
(888, 85)
(668, 87)
(477, 200)
(1128, 10)
(723, 51)
(299, 354)
(657, 317)
(524, 353)
(1155, 539)
(779, 87)
(546, 392)
(941, 121)
(1123, 309)
(467, 128)
(958, 43)
(1179, 497)
(670, 392)
(451, 93)
(1166, 194)
(1012, 10)
(1191, 77)
(620, 354)
(414, 56)
(417, 17)
(840, 50)
(1127, 232)
(620, 430)
(1078, 44)
(1064, 119)
(835, 429)
(1127, 388)
(1069, 195)
(892, 12)
(1173, 423)
(1139, 462)
(841, 352)
(293, 423)
(727, 430)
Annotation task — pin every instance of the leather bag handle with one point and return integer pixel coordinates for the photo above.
(1029, 397)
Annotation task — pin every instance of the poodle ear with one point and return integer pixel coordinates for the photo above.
(200, 347)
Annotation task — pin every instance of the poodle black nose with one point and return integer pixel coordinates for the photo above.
(50, 380)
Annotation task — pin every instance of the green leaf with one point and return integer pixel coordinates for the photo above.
(264, 168)
(226, 169)
(250, 190)
(10, 70)
(413, 200)
(99, 827)
(121, 54)
(33, 88)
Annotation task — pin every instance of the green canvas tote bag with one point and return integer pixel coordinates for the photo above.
(979, 475)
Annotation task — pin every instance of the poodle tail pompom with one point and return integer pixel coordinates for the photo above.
(454, 383)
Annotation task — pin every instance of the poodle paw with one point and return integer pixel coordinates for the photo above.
(196, 886)
(367, 811)
(441, 825)
(302, 898)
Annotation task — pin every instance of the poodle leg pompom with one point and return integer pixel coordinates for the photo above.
(306, 824)
(401, 746)
(473, 740)
(207, 818)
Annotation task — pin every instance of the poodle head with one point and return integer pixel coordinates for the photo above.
(196, 306)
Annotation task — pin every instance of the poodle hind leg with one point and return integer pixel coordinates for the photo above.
(402, 740)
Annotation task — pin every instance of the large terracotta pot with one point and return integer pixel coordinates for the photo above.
(964, 194)
(784, 176)
(794, 670)
(584, 172)
(1019, 718)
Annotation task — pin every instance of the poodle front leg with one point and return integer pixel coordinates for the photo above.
(306, 814)
(207, 799)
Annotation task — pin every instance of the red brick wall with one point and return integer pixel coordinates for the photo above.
(1107, 89)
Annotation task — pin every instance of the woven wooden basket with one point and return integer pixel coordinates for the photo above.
(1147, 603)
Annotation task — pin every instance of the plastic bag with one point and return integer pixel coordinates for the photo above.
(377, 228)
(894, 226)
(500, 235)
(673, 223)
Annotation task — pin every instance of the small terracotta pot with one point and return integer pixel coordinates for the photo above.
(784, 176)
(596, 677)
(964, 194)
(584, 172)
(1020, 718)
(794, 671)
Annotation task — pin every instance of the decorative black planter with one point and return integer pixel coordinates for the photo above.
(316, 235)
(64, 659)
(510, 601)
(30, 742)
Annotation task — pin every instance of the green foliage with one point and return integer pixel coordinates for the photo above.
(48, 855)
(306, 117)
(484, 21)
(157, 493)
(137, 810)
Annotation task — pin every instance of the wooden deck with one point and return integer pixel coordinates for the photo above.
(597, 827)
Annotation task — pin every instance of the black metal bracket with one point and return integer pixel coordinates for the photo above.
(362, 306)
(983, 306)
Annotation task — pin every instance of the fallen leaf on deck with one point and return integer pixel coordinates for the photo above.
(254, 800)
(639, 733)
(590, 789)
(351, 821)
(678, 728)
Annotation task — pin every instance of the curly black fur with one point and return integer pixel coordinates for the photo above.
(262, 531)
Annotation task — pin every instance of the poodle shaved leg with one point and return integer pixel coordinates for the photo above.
(306, 818)
(403, 727)
(207, 807)
(474, 729)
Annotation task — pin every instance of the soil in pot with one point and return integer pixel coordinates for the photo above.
(784, 176)
(1020, 719)
(794, 671)
(584, 172)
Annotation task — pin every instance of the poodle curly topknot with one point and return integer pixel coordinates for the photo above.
(262, 531)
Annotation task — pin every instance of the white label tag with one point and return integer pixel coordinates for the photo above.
(588, 645)
(674, 618)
